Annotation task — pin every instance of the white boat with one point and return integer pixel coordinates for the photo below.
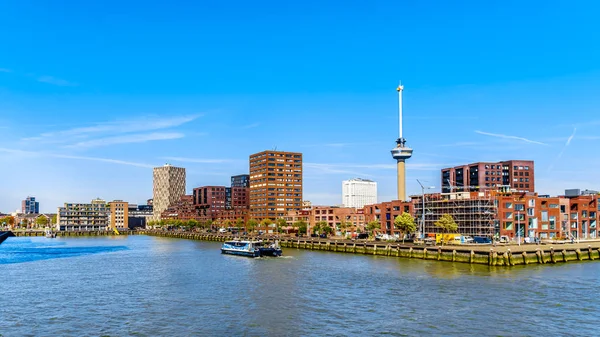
(50, 234)
(243, 248)
(251, 248)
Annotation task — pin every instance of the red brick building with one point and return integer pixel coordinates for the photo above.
(386, 212)
(220, 203)
(183, 209)
(517, 175)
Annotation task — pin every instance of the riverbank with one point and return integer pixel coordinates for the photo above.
(474, 254)
(72, 233)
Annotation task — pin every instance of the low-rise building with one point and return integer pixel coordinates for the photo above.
(342, 220)
(183, 209)
(139, 215)
(119, 215)
(84, 216)
(386, 212)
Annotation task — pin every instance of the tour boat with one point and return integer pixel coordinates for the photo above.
(250, 248)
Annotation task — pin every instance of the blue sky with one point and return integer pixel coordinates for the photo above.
(93, 94)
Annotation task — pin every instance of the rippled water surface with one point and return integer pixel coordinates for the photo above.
(148, 286)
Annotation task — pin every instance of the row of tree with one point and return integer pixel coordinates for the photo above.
(278, 225)
(404, 222)
(40, 221)
(407, 225)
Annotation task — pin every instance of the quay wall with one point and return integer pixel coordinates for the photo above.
(488, 255)
(74, 233)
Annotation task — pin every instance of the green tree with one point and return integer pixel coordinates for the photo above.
(192, 224)
(326, 229)
(447, 224)
(280, 224)
(266, 223)
(320, 226)
(239, 223)
(405, 223)
(53, 219)
(301, 226)
(227, 223)
(373, 225)
(209, 224)
(251, 225)
(41, 220)
(343, 227)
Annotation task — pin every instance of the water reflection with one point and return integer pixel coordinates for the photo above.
(172, 287)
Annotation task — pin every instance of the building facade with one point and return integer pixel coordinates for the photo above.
(343, 220)
(386, 212)
(275, 184)
(169, 186)
(241, 180)
(515, 175)
(139, 215)
(30, 206)
(475, 213)
(182, 209)
(76, 216)
(359, 192)
(119, 215)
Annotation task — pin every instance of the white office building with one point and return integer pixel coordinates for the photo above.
(359, 192)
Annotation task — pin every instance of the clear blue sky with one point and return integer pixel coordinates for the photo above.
(93, 94)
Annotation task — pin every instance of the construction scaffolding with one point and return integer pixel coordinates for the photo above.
(474, 212)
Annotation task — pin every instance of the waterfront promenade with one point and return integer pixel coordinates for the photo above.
(500, 255)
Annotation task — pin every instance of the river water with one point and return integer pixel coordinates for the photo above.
(150, 286)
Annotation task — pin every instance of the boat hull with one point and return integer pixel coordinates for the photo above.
(247, 253)
(270, 251)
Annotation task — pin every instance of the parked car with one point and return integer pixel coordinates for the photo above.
(362, 236)
(481, 239)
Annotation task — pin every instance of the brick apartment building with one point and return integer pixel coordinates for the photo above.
(340, 219)
(518, 175)
(386, 212)
(275, 184)
(182, 209)
(220, 203)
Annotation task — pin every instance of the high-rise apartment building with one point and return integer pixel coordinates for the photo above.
(275, 184)
(119, 214)
(515, 175)
(30, 206)
(169, 186)
(359, 192)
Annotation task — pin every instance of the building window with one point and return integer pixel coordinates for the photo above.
(544, 215)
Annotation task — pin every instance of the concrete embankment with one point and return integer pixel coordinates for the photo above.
(74, 233)
(483, 254)
(5, 235)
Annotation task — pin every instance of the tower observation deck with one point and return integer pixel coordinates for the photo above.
(401, 152)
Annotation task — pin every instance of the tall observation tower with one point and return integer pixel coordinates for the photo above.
(401, 152)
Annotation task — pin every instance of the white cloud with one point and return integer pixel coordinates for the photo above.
(56, 81)
(66, 156)
(509, 137)
(200, 160)
(134, 138)
(560, 154)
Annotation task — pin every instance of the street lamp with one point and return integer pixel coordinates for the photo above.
(422, 229)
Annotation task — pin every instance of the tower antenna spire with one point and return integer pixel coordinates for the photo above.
(401, 152)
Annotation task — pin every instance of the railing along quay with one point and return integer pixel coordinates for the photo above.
(482, 254)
